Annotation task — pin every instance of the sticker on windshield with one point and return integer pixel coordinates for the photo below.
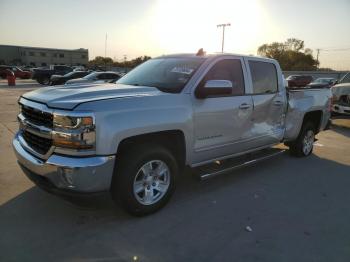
(182, 70)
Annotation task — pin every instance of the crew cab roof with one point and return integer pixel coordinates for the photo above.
(212, 55)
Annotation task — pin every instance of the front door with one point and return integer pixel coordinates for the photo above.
(220, 122)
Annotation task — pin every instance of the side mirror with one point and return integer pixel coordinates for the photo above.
(215, 88)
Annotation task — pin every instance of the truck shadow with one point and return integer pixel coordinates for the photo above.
(341, 126)
(45, 226)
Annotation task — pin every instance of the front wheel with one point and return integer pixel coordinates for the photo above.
(304, 144)
(44, 81)
(145, 179)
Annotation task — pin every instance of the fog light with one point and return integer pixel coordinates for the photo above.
(67, 176)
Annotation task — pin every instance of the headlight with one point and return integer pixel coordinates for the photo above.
(76, 131)
(72, 122)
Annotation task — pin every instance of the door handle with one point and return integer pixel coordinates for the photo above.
(278, 103)
(244, 106)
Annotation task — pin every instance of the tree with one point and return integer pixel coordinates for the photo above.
(100, 61)
(292, 55)
(137, 61)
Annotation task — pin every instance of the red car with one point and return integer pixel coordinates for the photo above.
(19, 73)
(299, 80)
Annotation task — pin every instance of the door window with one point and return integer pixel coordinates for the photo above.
(110, 76)
(264, 77)
(228, 69)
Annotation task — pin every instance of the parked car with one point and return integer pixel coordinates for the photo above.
(78, 68)
(299, 80)
(212, 113)
(60, 80)
(18, 72)
(341, 96)
(98, 77)
(43, 75)
(322, 83)
(26, 68)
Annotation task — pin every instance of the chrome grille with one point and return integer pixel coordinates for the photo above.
(37, 117)
(39, 144)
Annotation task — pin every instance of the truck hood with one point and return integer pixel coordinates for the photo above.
(69, 96)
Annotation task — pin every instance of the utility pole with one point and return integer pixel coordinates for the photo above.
(106, 46)
(318, 52)
(223, 34)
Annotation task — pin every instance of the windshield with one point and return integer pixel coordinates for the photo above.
(69, 74)
(93, 75)
(291, 77)
(323, 80)
(345, 79)
(166, 74)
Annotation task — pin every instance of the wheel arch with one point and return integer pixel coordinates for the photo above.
(174, 140)
(314, 117)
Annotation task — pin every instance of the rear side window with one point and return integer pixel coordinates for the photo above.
(264, 77)
(111, 76)
(101, 76)
(229, 69)
(81, 74)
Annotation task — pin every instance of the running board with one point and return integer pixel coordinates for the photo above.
(220, 167)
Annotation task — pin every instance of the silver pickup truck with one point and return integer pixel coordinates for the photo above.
(135, 137)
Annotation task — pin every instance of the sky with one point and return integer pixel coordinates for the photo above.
(157, 27)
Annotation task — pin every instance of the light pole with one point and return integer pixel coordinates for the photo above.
(105, 51)
(223, 34)
(124, 63)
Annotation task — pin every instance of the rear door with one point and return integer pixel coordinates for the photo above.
(269, 100)
(221, 122)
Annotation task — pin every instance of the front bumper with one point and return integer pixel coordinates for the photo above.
(66, 175)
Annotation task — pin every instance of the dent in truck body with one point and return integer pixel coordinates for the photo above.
(302, 102)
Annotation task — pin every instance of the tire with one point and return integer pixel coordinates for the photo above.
(303, 145)
(132, 179)
(44, 81)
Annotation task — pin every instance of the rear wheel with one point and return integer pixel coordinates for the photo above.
(304, 144)
(145, 179)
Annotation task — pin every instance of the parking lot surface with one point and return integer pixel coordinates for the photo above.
(283, 209)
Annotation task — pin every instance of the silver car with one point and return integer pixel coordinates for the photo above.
(95, 77)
